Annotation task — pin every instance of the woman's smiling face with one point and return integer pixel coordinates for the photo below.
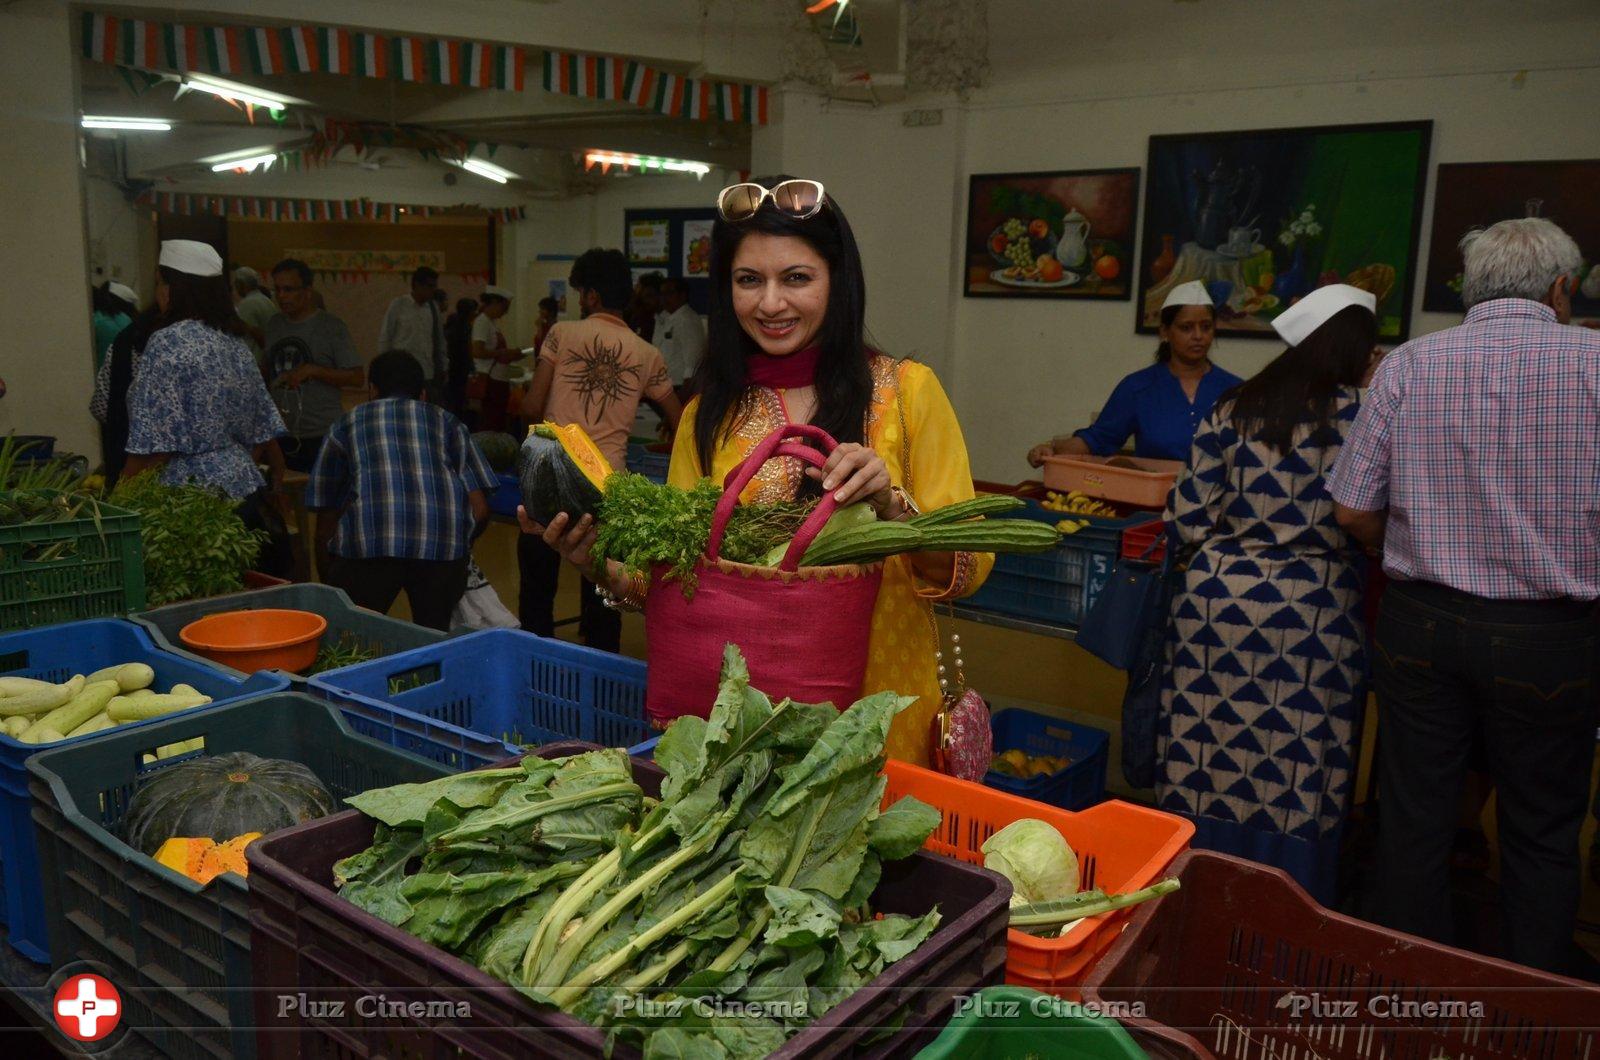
(780, 292)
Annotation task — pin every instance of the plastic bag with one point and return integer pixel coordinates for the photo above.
(480, 606)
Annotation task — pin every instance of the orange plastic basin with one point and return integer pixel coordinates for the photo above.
(268, 639)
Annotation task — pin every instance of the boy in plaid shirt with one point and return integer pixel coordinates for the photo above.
(399, 489)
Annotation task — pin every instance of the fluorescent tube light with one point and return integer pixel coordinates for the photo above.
(237, 93)
(247, 163)
(102, 121)
(607, 159)
(486, 170)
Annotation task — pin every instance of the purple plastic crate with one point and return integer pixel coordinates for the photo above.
(306, 940)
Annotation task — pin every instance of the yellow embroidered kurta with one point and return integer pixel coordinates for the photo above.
(901, 653)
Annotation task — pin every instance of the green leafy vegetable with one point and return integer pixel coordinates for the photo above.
(195, 544)
(746, 884)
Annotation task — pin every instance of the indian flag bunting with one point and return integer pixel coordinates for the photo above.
(170, 202)
(233, 50)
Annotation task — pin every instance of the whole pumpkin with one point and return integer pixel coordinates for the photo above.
(224, 796)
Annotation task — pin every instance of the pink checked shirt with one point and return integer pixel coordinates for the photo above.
(1483, 442)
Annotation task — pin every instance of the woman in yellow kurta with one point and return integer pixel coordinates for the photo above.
(786, 344)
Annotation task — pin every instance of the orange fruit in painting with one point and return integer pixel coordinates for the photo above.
(997, 243)
(1049, 269)
(1108, 268)
(1037, 228)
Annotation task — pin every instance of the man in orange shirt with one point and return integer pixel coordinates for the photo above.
(592, 372)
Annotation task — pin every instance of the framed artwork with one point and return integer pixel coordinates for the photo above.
(1068, 234)
(1477, 194)
(1264, 217)
(674, 241)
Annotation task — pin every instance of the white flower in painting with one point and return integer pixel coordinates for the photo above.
(1313, 229)
(1306, 217)
(1286, 238)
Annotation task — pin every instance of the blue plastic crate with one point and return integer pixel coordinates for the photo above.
(507, 684)
(506, 496)
(55, 653)
(642, 461)
(1081, 784)
(1058, 586)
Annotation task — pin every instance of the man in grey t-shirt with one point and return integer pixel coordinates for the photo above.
(309, 358)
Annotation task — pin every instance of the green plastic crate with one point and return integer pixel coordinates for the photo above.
(97, 571)
(180, 952)
(1015, 1023)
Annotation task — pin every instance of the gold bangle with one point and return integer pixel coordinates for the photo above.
(632, 600)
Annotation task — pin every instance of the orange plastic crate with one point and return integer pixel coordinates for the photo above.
(1136, 480)
(1120, 847)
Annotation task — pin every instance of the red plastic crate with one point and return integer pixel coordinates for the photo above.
(305, 940)
(1242, 963)
(1137, 539)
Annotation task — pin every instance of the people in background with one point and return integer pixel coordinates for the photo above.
(593, 372)
(1261, 694)
(458, 353)
(398, 490)
(413, 324)
(788, 345)
(1475, 467)
(254, 307)
(645, 306)
(680, 335)
(109, 403)
(198, 410)
(310, 358)
(1160, 406)
(114, 306)
(549, 313)
(491, 356)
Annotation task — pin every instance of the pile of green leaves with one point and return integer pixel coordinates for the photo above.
(195, 544)
(746, 884)
(644, 524)
(348, 650)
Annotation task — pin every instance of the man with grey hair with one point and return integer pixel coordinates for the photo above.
(253, 307)
(1474, 468)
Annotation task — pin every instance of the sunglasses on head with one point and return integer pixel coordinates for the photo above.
(799, 199)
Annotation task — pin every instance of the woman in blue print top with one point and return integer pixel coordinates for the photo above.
(1162, 405)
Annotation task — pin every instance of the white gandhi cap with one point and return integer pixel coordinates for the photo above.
(497, 292)
(194, 258)
(1191, 293)
(1296, 324)
(124, 292)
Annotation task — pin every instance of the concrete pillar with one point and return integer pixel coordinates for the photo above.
(46, 357)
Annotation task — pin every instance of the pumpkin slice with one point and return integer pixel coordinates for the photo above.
(561, 470)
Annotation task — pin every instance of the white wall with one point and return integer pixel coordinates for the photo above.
(121, 238)
(45, 342)
(1499, 81)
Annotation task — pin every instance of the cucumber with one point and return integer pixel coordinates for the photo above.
(124, 708)
(130, 677)
(41, 700)
(100, 721)
(977, 506)
(14, 727)
(79, 709)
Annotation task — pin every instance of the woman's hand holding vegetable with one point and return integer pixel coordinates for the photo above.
(855, 473)
(574, 543)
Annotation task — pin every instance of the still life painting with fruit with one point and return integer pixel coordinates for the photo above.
(1264, 218)
(1063, 235)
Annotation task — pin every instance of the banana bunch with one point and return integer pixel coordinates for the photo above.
(1076, 503)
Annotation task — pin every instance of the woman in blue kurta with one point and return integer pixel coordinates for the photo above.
(1163, 405)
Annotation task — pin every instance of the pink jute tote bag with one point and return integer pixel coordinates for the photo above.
(803, 632)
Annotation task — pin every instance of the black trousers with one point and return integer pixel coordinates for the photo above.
(1448, 666)
(433, 587)
(540, 569)
(299, 454)
(277, 552)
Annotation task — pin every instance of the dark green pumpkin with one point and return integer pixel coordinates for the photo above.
(221, 797)
(551, 478)
(499, 448)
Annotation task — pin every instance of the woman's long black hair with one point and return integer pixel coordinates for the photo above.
(844, 376)
(203, 298)
(1301, 383)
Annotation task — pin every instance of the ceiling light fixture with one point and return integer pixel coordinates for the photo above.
(486, 170)
(606, 159)
(234, 92)
(246, 161)
(102, 121)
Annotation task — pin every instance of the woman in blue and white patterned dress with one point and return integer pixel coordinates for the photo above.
(198, 408)
(1264, 660)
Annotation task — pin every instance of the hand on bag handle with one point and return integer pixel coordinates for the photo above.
(777, 444)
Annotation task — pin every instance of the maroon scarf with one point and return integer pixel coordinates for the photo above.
(783, 373)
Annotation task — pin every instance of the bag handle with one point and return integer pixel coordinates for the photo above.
(781, 442)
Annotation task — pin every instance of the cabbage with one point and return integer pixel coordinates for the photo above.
(1035, 858)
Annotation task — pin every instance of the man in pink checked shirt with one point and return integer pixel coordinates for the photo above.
(1475, 467)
